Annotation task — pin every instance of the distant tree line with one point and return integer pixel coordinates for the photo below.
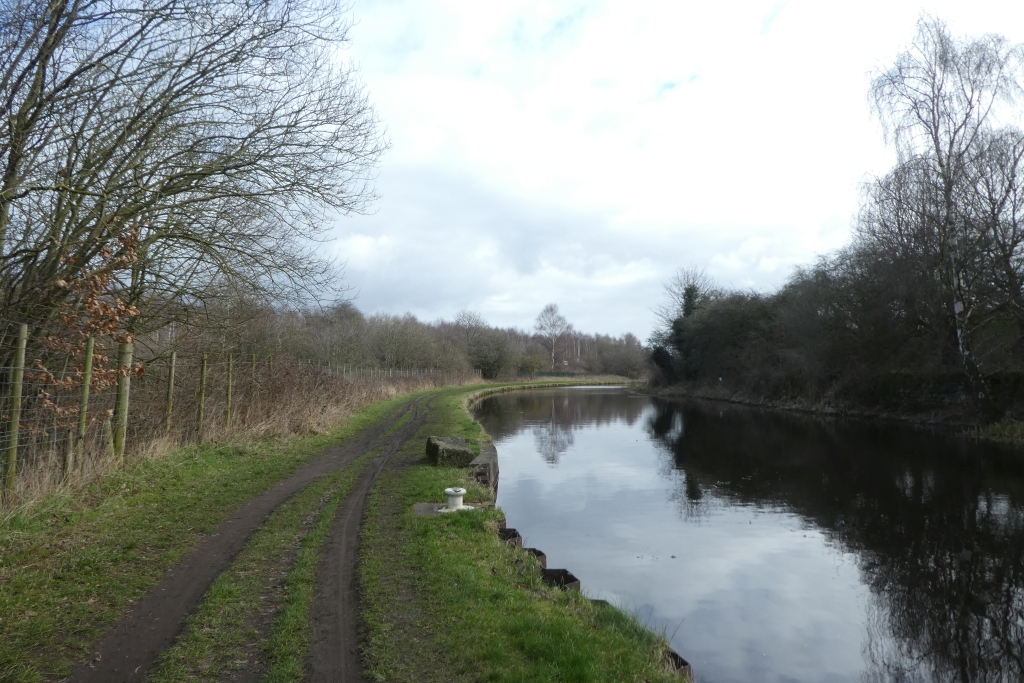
(343, 335)
(925, 305)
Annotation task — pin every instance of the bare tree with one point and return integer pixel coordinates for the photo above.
(577, 341)
(689, 289)
(932, 284)
(937, 102)
(991, 201)
(550, 326)
(471, 326)
(213, 137)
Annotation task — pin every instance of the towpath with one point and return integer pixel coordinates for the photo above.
(129, 650)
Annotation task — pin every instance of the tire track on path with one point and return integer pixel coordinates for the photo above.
(334, 647)
(129, 649)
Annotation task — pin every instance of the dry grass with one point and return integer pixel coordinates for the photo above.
(268, 401)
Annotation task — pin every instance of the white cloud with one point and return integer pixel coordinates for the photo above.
(579, 152)
(367, 250)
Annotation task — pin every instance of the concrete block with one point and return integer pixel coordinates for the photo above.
(449, 451)
(485, 466)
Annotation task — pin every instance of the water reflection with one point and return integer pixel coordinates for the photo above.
(554, 416)
(552, 440)
(936, 525)
(816, 550)
(505, 414)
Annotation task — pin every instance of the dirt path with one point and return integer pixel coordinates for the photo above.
(334, 650)
(129, 650)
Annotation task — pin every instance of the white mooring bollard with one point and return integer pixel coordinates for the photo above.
(455, 495)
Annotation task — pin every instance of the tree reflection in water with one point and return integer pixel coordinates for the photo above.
(552, 440)
(553, 415)
(937, 524)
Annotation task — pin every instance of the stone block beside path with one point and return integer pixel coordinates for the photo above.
(449, 451)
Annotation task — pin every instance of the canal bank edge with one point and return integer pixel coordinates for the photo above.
(1004, 431)
(485, 470)
(444, 599)
(486, 463)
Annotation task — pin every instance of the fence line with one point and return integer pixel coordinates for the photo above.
(375, 372)
(72, 423)
(14, 410)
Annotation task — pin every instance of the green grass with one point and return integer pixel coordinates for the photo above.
(228, 629)
(446, 600)
(72, 564)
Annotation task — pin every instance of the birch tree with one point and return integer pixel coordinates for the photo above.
(937, 102)
(551, 326)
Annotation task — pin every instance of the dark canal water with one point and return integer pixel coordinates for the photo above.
(774, 547)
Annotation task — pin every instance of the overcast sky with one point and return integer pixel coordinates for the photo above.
(580, 152)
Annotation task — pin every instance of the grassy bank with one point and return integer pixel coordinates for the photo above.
(73, 563)
(446, 600)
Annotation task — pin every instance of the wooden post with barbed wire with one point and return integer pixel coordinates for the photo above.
(169, 413)
(124, 382)
(77, 453)
(227, 412)
(202, 399)
(14, 411)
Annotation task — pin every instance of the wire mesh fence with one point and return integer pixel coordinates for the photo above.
(72, 412)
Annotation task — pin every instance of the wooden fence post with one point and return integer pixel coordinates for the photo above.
(252, 387)
(83, 411)
(124, 383)
(108, 439)
(69, 455)
(227, 414)
(14, 408)
(169, 414)
(202, 399)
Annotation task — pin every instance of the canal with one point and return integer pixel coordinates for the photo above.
(772, 547)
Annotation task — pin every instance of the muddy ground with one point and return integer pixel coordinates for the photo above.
(129, 650)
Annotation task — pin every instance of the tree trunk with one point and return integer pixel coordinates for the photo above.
(980, 394)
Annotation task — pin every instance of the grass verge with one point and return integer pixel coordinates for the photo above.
(73, 563)
(446, 600)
